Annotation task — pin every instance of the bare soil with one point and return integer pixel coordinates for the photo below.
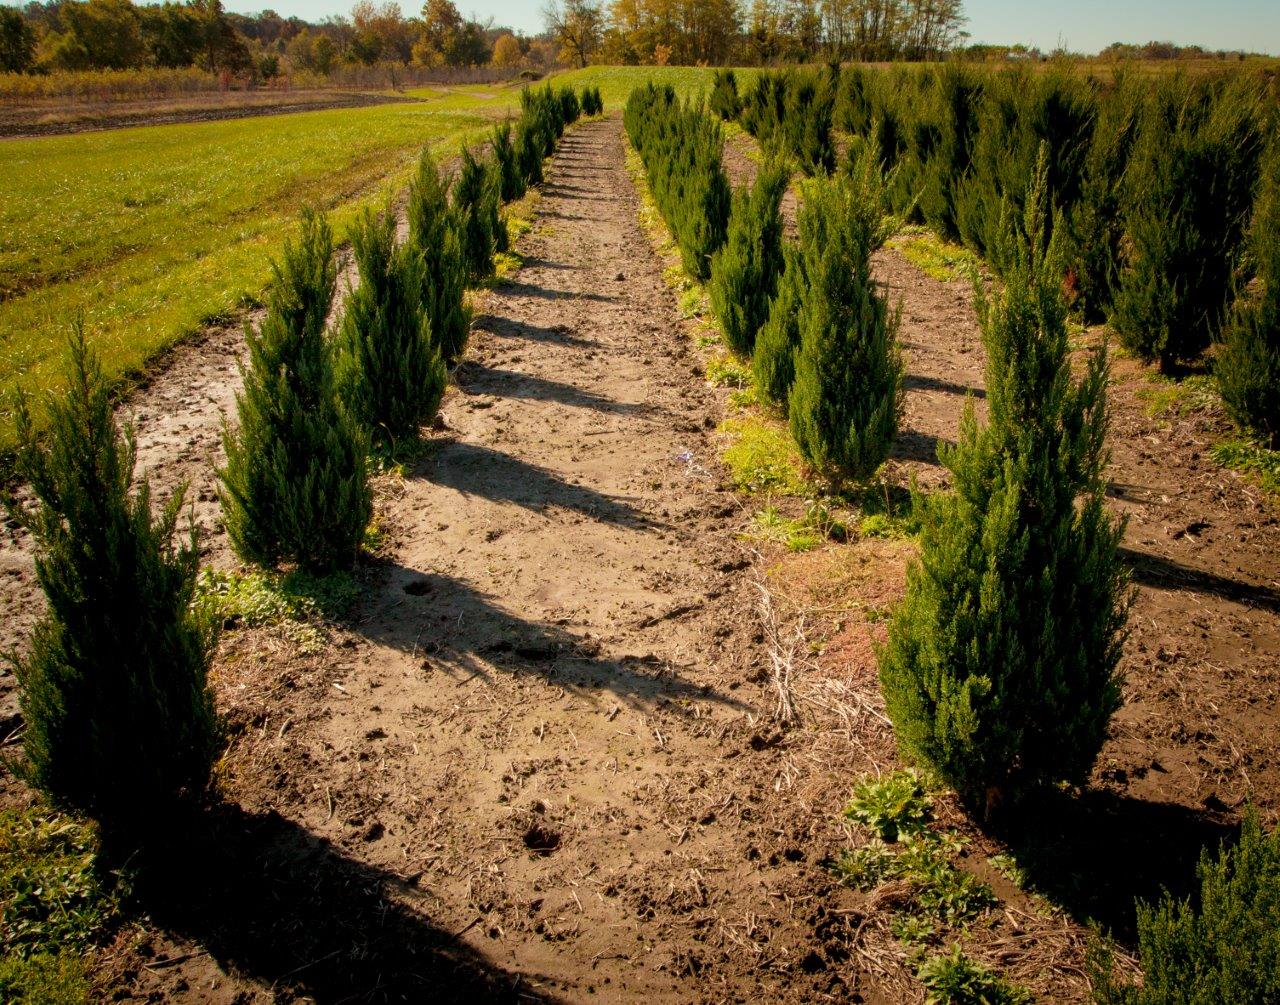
(55, 117)
(548, 756)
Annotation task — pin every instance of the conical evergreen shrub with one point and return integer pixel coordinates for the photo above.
(773, 358)
(1189, 189)
(475, 208)
(493, 206)
(1248, 366)
(433, 231)
(529, 146)
(846, 398)
(569, 107)
(1223, 947)
(1000, 666)
(724, 100)
(119, 720)
(512, 184)
(590, 101)
(744, 272)
(295, 487)
(391, 372)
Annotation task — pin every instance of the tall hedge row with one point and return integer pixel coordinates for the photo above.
(680, 145)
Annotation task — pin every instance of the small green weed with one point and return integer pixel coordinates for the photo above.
(762, 456)
(897, 809)
(1253, 459)
(401, 456)
(1169, 397)
(693, 304)
(770, 525)
(724, 370)
(954, 979)
(54, 904)
(933, 256)
(892, 806)
(1008, 867)
(297, 602)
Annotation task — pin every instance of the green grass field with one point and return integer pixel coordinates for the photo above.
(149, 233)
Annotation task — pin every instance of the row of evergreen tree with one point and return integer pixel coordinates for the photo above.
(821, 338)
(1000, 670)
(119, 719)
(1161, 187)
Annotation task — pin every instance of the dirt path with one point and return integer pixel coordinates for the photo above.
(546, 728)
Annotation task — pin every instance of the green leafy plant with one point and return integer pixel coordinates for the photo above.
(295, 486)
(114, 690)
(891, 806)
(511, 180)
(954, 979)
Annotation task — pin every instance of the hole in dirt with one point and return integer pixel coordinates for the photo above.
(418, 587)
(541, 840)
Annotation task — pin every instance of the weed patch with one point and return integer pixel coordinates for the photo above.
(54, 905)
(762, 457)
(296, 602)
(936, 258)
(1252, 459)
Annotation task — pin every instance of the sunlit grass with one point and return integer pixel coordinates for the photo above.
(148, 233)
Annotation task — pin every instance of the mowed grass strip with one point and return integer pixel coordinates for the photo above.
(149, 233)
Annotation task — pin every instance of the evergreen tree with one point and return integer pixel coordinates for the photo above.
(844, 403)
(591, 102)
(492, 205)
(433, 231)
(1189, 189)
(529, 148)
(773, 359)
(569, 107)
(511, 178)
(295, 487)
(391, 372)
(1223, 948)
(475, 208)
(1000, 666)
(744, 272)
(724, 96)
(1248, 367)
(119, 720)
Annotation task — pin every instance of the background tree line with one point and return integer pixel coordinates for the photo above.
(742, 32)
(46, 37)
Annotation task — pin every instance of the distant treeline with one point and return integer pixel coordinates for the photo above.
(87, 35)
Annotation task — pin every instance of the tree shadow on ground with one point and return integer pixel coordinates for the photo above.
(477, 470)
(912, 445)
(1166, 574)
(534, 262)
(477, 378)
(918, 382)
(508, 328)
(270, 901)
(1096, 853)
(520, 289)
(460, 631)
